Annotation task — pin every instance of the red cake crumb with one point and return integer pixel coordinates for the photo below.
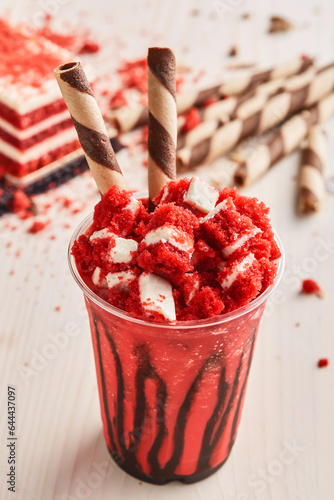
(57, 308)
(192, 119)
(118, 100)
(310, 287)
(134, 75)
(323, 362)
(89, 47)
(20, 201)
(37, 226)
(209, 263)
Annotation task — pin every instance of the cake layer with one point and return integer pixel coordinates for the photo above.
(23, 144)
(39, 149)
(18, 169)
(26, 133)
(30, 119)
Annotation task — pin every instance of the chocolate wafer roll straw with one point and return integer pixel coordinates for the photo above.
(258, 118)
(129, 118)
(162, 120)
(89, 125)
(288, 138)
(311, 176)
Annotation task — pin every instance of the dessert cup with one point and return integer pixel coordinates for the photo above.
(171, 394)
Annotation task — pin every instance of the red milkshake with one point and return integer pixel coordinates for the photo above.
(171, 392)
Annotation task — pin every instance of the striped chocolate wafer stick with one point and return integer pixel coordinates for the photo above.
(89, 125)
(273, 111)
(162, 120)
(311, 177)
(288, 138)
(129, 118)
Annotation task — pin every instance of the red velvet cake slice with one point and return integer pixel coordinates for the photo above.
(35, 125)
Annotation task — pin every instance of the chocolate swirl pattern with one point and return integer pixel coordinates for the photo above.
(162, 120)
(311, 176)
(288, 138)
(156, 452)
(89, 125)
(258, 115)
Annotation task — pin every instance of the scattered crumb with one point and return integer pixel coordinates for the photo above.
(21, 201)
(233, 51)
(89, 47)
(311, 287)
(279, 25)
(11, 272)
(37, 226)
(323, 362)
(192, 120)
(195, 12)
(57, 308)
(297, 325)
(245, 15)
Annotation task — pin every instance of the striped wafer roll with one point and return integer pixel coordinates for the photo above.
(266, 115)
(311, 177)
(89, 125)
(129, 118)
(162, 120)
(288, 138)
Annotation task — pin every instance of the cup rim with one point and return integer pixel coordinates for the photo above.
(179, 325)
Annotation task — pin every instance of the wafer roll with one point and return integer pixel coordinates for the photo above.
(129, 118)
(89, 125)
(311, 178)
(270, 114)
(162, 119)
(288, 138)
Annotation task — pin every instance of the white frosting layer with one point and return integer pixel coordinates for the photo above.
(228, 250)
(40, 149)
(201, 196)
(133, 206)
(22, 135)
(179, 239)
(102, 233)
(121, 279)
(237, 270)
(122, 251)
(156, 294)
(221, 206)
(96, 278)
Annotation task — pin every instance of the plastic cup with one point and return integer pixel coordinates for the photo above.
(171, 395)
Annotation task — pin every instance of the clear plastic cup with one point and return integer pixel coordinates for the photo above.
(171, 395)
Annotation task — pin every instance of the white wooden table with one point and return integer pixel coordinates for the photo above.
(284, 449)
